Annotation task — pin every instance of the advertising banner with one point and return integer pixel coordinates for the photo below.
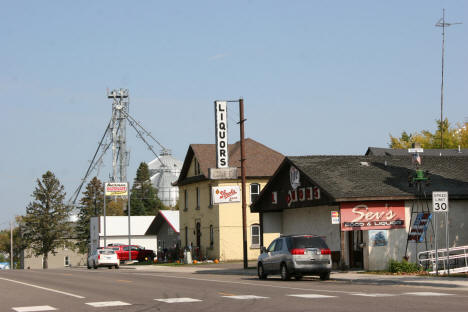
(372, 215)
(225, 194)
(116, 189)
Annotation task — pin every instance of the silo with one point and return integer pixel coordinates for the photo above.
(164, 171)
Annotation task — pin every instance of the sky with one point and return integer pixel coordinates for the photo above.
(317, 77)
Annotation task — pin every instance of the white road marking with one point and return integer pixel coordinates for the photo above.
(373, 295)
(107, 304)
(312, 296)
(245, 297)
(35, 308)
(178, 300)
(43, 288)
(422, 293)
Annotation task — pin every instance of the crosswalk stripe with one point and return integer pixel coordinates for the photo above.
(422, 293)
(245, 297)
(34, 309)
(373, 295)
(311, 296)
(178, 300)
(107, 304)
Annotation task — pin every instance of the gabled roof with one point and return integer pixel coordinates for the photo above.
(261, 161)
(380, 151)
(352, 178)
(171, 217)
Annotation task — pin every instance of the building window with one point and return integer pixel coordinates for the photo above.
(66, 261)
(186, 236)
(254, 192)
(185, 200)
(255, 235)
(211, 236)
(198, 198)
(196, 167)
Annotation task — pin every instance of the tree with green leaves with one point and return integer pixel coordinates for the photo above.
(46, 223)
(144, 199)
(92, 204)
(452, 137)
(18, 243)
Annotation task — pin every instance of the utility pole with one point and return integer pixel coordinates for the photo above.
(11, 245)
(244, 202)
(443, 24)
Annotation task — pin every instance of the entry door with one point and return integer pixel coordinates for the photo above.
(355, 250)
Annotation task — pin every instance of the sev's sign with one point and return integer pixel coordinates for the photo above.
(372, 215)
(225, 194)
(116, 189)
(222, 160)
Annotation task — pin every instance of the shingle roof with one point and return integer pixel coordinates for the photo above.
(261, 161)
(171, 217)
(380, 151)
(348, 177)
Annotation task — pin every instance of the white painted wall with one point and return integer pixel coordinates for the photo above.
(313, 220)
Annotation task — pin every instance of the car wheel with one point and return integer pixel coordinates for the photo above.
(325, 276)
(116, 267)
(298, 277)
(109, 267)
(284, 272)
(94, 265)
(261, 272)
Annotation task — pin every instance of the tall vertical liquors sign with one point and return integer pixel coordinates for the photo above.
(221, 134)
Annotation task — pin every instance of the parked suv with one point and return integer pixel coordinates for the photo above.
(137, 252)
(295, 255)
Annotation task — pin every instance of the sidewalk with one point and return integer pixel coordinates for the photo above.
(358, 277)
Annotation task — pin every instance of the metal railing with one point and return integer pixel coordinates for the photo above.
(455, 262)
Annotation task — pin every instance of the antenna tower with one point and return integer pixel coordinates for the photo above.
(443, 24)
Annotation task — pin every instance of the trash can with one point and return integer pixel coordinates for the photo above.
(187, 256)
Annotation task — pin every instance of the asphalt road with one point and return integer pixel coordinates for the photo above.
(129, 290)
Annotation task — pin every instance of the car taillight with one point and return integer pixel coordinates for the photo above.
(297, 251)
(325, 251)
(99, 257)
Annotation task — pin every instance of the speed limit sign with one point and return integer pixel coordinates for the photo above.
(440, 202)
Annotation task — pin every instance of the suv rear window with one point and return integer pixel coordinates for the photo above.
(306, 242)
(106, 252)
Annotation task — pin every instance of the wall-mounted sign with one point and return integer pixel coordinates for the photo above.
(116, 189)
(372, 215)
(222, 160)
(294, 177)
(378, 238)
(274, 198)
(302, 194)
(225, 194)
(222, 173)
(335, 217)
(418, 230)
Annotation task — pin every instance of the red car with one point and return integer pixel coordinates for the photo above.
(137, 252)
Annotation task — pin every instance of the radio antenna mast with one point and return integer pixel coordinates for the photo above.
(443, 24)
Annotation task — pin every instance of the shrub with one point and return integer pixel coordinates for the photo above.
(403, 267)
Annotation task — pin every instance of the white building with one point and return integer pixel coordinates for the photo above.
(164, 171)
(116, 231)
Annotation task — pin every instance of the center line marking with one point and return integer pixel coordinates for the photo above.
(43, 288)
(34, 309)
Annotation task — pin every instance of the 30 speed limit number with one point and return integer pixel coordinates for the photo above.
(440, 202)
